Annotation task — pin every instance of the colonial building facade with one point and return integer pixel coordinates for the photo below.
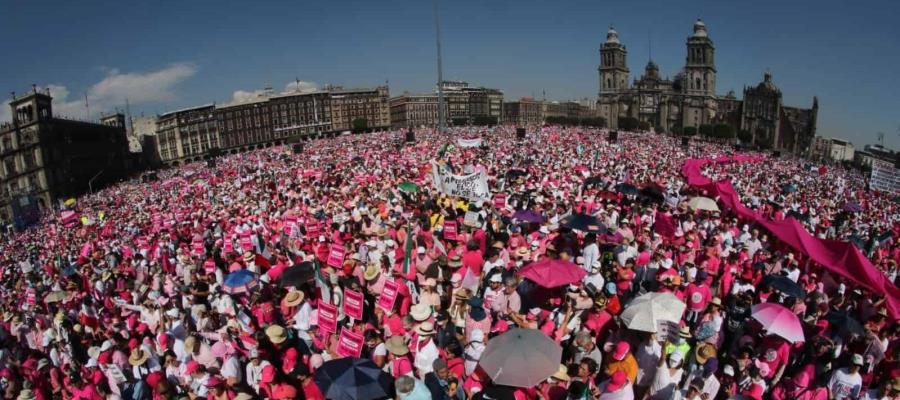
(463, 105)
(689, 98)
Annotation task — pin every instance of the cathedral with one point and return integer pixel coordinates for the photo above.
(689, 99)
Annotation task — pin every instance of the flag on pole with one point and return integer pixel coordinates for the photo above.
(321, 283)
(407, 252)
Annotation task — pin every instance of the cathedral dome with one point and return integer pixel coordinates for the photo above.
(612, 36)
(651, 70)
(767, 85)
(700, 29)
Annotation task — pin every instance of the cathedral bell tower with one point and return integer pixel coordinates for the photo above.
(613, 68)
(700, 68)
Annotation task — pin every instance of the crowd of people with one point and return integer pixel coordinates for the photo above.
(246, 279)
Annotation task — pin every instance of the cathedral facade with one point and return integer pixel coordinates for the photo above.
(689, 98)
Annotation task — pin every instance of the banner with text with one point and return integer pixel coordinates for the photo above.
(472, 186)
(469, 142)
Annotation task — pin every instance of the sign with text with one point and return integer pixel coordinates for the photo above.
(473, 186)
(500, 200)
(328, 317)
(450, 230)
(388, 295)
(885, 177)
(349, 344)
(469, 142)
(353, 304)
(336, 255)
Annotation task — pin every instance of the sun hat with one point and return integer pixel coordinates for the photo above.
(704, 352)
(276, 334)
(716, 301)
(138, 356)
(621, 350)
(425, 329)
(249, 256)
(561, 374)
(420, 312)
(397, 346)
(461, 294)
(684, 332)
(496, 278)
(243, 396)
(26, 394)
(293, 298)
(371, 273)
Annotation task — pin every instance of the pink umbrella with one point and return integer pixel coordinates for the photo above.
(553, 273)
(778, 320)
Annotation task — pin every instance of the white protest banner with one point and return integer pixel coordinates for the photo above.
(469, 142)
(473, 186)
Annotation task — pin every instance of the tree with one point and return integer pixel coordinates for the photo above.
(689, 131)
(706, 130)
(360, 124)
(644, 126)
(744, 136)
(723, 131)
(628, 123)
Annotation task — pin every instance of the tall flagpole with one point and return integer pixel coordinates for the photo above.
(440, 105)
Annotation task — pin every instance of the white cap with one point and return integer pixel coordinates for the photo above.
(842, 288)
(420, 250)
(728, 370)
(496, 278)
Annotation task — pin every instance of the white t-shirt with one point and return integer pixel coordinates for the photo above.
(843, 384)
(232, 368)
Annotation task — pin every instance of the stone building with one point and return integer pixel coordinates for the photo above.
(44, 158)
(525, 111)
(689, 99)
(463, 105)
(370, 105)
(187, 135)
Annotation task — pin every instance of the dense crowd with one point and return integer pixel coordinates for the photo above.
(257, 277)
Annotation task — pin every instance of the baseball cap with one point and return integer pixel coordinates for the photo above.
(858, 359)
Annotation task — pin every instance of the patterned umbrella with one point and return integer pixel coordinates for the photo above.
(240, 281)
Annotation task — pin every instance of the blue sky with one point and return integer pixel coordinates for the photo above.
(164, 55)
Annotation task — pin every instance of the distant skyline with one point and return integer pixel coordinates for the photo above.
(164, 55)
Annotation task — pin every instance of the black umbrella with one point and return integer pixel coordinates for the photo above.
(298, 274)
(584, 223)
(353, 379)
(593, 181)
(844, 324)
(515, 173)
(653, 193)
(784, 285)
(627, 189)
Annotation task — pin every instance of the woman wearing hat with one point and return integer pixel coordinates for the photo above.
(399, 360)
(424, 348)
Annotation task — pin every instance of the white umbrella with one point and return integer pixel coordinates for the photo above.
(703, 203)
(645, 310)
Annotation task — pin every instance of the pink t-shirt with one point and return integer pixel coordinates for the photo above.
(698, 296)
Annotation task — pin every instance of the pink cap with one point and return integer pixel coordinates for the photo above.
(616, 381)
(621, 350)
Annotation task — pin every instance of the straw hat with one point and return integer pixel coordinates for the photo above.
(138, 356)
(561, 374)
(276, 334)
(498, 245)
(249, 256)
(243, 396)
(420, 312)
(716, 301)
(461, 294)
(704, 352)
(684, 332)
(522, 252)
(293, 298)
(397, 346)
(372, 272)
(425, 329)
(26, 394)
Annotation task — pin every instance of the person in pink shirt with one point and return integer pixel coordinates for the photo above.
(473, 259)
(698, 297)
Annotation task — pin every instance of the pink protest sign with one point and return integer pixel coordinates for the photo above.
(336, 255)
(388, 295)
(450, 230)
(349, 344)
(312, 228)
(353, 304)
(500, 200)
(328, 317)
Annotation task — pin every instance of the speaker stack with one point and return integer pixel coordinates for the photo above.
(410, 136)
(520, 133)
(685, 141)
(298, 148)
(776, 154)
(211, 163)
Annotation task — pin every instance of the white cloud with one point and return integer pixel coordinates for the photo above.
(300, 86)
(111, 91)
(243, 96)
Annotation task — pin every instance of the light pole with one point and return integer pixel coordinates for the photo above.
(440, 72)
(91, 182)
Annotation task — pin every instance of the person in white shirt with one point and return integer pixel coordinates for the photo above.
(254, 370)
(591, 252)
(425, 349)
(473, 350)
(846, 382)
